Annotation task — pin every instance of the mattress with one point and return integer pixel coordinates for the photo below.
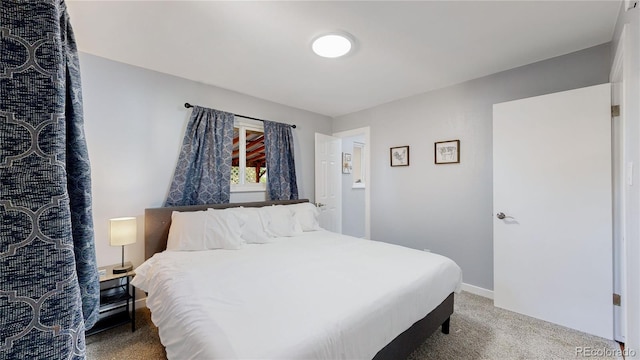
(320, 295)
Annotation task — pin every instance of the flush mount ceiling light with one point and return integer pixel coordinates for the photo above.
(332, 45)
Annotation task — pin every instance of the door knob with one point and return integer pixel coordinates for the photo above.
(501, 215)
(320, 204)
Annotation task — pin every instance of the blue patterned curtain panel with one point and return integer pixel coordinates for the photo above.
(49, 289)
(281, 168)
(203, 173)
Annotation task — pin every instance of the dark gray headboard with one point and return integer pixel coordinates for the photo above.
(158, 220)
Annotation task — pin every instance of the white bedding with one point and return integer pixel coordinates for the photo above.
(320, 295)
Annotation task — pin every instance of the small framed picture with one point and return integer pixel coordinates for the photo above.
(399, 156)
(346, 163)
(447, 152)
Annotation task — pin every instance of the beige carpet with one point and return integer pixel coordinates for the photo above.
(478, 331)
(481, 331)
(121, 344)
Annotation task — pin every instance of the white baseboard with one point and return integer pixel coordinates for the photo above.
(477, 290)
(141, 303)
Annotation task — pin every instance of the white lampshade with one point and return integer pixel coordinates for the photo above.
(123, 231)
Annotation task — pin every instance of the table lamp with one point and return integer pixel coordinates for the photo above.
(122, 231)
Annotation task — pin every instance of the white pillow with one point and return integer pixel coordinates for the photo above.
(306, 214)
(187, 231)
(278, 220)
(252, 231)
(225, 230)
(203, 230)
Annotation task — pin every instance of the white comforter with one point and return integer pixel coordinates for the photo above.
(317, 296)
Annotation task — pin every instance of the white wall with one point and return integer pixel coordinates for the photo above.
(631, 153)
(448, 208)
(135, 121)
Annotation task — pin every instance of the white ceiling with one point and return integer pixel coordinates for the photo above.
(263, 48)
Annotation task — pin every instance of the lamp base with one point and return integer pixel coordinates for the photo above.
(122, 269)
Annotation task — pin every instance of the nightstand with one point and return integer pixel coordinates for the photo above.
(117, 300)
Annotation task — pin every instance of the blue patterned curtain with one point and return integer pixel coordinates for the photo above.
(281, 168)
(49, 289)
(203, 173)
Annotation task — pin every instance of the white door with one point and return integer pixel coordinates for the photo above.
(619, 221)
(552, 180)
(329, 182)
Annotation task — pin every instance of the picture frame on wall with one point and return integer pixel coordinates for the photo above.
(399, 155)
(346, 163)
(447, 152)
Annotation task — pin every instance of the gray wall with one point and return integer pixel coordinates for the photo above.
(352, 199)
(448, 208)
(135, 122)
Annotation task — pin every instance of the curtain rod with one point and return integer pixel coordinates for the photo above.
(187, 105)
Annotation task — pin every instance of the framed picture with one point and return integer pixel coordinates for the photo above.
(346, 163)
(447, 152)
(399, 156)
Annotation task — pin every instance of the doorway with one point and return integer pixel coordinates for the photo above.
(356, 182)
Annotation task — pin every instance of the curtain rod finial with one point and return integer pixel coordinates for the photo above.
(187, 105)
(293, 126)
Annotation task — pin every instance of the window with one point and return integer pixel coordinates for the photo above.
(248, 164)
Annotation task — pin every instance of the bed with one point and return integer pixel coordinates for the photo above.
(317, 295)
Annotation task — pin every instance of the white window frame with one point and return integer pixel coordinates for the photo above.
(244, 125)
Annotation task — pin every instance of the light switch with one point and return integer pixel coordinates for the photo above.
(630, 173)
